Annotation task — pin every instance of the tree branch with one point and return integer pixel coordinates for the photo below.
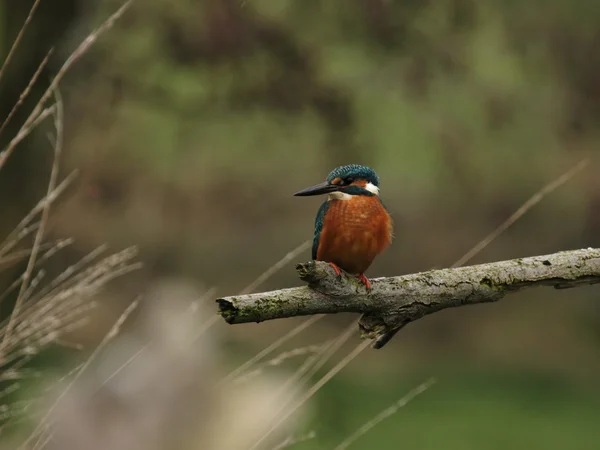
(394, 302)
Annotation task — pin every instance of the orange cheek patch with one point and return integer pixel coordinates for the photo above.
(337, 180)
(360, 183)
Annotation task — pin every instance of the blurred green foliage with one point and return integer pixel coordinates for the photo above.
(194, 122)
(495, 411)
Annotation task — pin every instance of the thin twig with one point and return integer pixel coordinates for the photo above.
(58, 122)
(113, 332)
(22, 229)
(290, 334)
(67, 277)
(17, 40)
(510, 221)
(339, 341)
(480, 246)
(26, 91)
(390, 411)
(290, 256)
(524, 208)
(74, 57)
(397, 301)
(280, 359)
(311, 366)
(318, 385)
(24, 132)
(468, 256)
(16, 256)
(258, 281)
(293, 440)
(272, 347)
(146, 346)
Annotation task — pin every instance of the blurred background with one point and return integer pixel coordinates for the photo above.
(192, 123)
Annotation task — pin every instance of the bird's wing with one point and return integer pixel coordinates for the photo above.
(318, 227)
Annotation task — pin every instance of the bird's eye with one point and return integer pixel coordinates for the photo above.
(348, 180)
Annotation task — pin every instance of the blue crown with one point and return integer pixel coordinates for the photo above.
(354, 171)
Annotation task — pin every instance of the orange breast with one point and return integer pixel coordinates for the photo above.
(354, 232)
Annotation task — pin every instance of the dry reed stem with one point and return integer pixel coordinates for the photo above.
(23, 133)
(290, 334)
(29, 403)
(280, 359)
(17, 40)
(522, 210)
(51, 248)
(311, 366)
(272, 347)
(38, 110)
(112, 333)
(293, 440)
(23, 229)
(290, 256)
(254, 284)
(388, 412)
(17, 236)
(27, 90)
(58, 145)
(75, 273)
(318, 385)
(44, 319)
(2, 159)
(208, 294)
(338, 342)
(302, 375)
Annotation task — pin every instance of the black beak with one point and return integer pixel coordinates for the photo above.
(318, 189)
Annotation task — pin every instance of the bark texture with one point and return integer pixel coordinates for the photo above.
(394, 302)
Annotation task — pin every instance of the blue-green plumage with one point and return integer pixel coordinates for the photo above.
(318, 227)
(353, 226)
(354, 171)
(347, 174)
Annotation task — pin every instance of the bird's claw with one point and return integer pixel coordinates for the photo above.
(364, 280)
(338, 271)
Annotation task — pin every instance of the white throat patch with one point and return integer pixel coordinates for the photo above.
(339, 196)
(372, 188)
(343, 196)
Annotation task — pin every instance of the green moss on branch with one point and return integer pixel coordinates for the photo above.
(394, 302)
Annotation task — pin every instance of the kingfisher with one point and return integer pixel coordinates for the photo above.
(352, 226)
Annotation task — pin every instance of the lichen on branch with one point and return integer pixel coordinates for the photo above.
(394, 302)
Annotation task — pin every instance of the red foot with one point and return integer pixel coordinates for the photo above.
(364, 280)
(336, 268)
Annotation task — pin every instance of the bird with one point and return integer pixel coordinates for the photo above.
(352, 226)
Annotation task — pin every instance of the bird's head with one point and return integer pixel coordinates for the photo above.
(344, 182)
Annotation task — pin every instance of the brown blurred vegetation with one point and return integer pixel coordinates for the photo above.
(192, 123)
